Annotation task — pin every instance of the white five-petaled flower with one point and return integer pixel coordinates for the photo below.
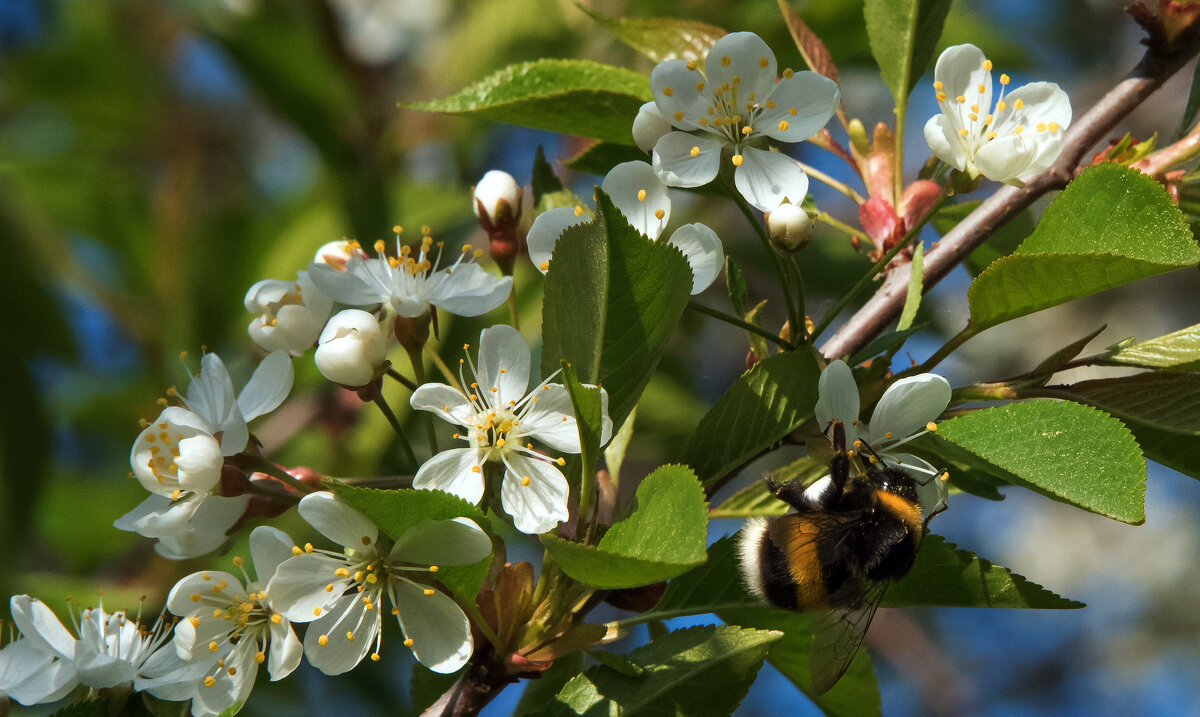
(1018, 137)
(907, 409)
(501, 419)
(342, 593)
(642, 198)
(290, 313)
(230, 628)
(179, 456)
(412, 281)
(735, 103)
(111, 649)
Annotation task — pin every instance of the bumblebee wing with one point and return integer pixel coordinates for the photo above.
(837, 635)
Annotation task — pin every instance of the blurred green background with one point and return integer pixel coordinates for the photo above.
(158, 158)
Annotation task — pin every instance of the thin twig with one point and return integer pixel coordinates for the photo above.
(840, 186)
(746, 325)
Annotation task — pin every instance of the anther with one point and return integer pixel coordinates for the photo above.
(695, 151)
(1018, 104)
(762, 62)
(678, 116)
(641, 195)
(668, 92)
(578, 213)
(659, 214)
(931, 426)
(323, 640)
(1004, 79)
(737, 160)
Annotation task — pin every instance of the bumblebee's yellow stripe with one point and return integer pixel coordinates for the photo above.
(908, 513)
(797, 537)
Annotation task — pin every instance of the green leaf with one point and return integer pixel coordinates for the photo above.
(1110, 226)
(426, 686)
(735, 285)
(661, 38)
(700, 670)
(1193, 105)
(811, 48)
(663, 536)
(540, 692)
(1061, 357)
(1179, 350)
(1165, 400)
(888, 343)
(395, 511)
(612, 299)
(757, 500)
(903, 34)
(588, 409)
(1173, 450)
(577, 97)
(912, 302)
(544, 181)
(1063, 450)
(600, 157)
(765, 404)
(1001, 243)
(946, 576)
(614, 452)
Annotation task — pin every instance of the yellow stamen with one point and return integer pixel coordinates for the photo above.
(668, 92)
(695, 151)
(987, 65)
(1004, 79)
(737, 160)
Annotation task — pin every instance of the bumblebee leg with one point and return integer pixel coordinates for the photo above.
(791, 492)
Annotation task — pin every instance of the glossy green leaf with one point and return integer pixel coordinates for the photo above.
(766, 403)
(1002, 242)
(600, 157)
(888, 343)
(912, 302)
(663, 536)
(395, 511)
(1111, 225)
(1059, 358)
(579, 97)
(1179, 350)
(1164, 400)
(540, 692)
(947, 576)
(1174, 450)
(543, 179)
(704, 670)
(661, 38)
(1193, 105)
(1063, 450)
(588, 409)
(613, 298)
(903, 34)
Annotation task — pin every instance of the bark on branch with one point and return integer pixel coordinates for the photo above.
(1156, 66)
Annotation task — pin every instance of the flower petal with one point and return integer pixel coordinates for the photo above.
(337, 521)
(804, 103)
(268, 387)
(166, 676)
(300, 590)
(702, 248)
(286, 651)
(457, 470)
(210, 395)
(907, 405)
(931, 491)
(204, 531)
(440, 632)
(1007, 158)
(674, 88)
(768, 179)
(447, 402)
(677, 166)
(340, 653)
(945, 143)
(550, 419)
(346, 287)
(98, 670)
(540, 505)
(467, 290)
(443, 542)
(837, 399)
(638, 193)
(503, 368)
(187, 596)
(648, 126)
(743, 60)
(36, 676)
(269, 547)
(547, 228)
(961, 71)
(40, 626)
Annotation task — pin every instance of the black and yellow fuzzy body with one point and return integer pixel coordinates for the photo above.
(849, 537)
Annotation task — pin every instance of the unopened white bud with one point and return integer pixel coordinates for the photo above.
(351, 348)
(498, 196)
(335, 253)
(791, 227)
(649, 126)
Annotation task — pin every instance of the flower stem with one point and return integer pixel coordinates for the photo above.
(825, 179)
(514, 312)
(746, 325)
(938, 356)
(262, 465)
(442, 367)
(842, 226)
(472, 611)
(784, 284)
(799, 331)
(402, 379)
(879, 266)
(391, 418)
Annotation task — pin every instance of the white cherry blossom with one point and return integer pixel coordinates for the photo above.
(290, 313)
(642, 198)
(351, 348)
(1018, 136)
(230, 627)
(907, 409)
(736, 104)
(342, 593)
(501, 416)
(412, 281)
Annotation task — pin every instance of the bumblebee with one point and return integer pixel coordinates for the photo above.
(850, 537)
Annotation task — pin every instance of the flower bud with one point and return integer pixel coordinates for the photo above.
(880, 222)
(918, 198)
(351, 348)
(649, 126)
(791, 228)
(858, 136)
(498, 206)
(335, 253)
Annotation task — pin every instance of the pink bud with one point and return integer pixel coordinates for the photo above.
(919, 197)
(880, 222)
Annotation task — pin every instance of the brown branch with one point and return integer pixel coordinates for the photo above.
(1157, 65)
